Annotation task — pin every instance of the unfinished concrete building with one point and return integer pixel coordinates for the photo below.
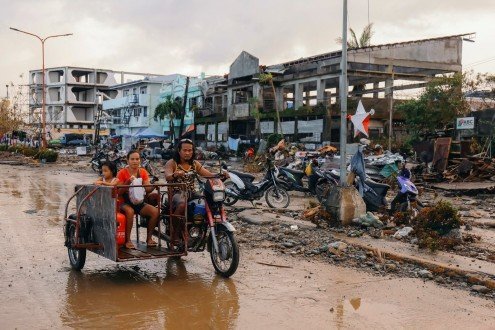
(306, 91)
(72, 97)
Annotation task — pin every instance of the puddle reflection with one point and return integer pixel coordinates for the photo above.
(173, 299)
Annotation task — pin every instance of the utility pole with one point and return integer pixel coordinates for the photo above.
(184, 106)
(343, 86)
(43, 105)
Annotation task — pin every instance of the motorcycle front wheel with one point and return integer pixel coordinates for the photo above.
(230, 200)
(277, 197)
(226, 259)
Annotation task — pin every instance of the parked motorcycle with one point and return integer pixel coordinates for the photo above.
(317, 180)
(153, 171)
(407, 196)
(373, 193)
(98, 159)
(242, 187)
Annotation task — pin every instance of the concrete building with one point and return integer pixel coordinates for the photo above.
(306, 90)
(195, 97)
(71, 97)
(132, 110)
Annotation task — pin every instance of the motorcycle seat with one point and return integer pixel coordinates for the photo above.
(296, 173)
(374, 184)
(243, 175)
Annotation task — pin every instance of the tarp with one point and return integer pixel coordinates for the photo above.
(148, 133)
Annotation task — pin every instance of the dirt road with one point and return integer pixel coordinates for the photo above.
(39, 290)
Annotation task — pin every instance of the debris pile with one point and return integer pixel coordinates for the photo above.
(470, 170)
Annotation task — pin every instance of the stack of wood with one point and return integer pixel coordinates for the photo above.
(472, 169)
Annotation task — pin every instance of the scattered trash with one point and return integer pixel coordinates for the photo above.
(294, 227)
(480, 288)
(340, 246)
(368, 220)
(403, 232)
(424, 273)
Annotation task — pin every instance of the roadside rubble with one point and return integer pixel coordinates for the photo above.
(326, 245)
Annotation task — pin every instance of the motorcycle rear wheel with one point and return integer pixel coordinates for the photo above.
(226, 260)
(277, 197)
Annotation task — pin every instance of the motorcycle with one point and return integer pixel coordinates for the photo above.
(242, 187)
(407, 196)
(207, 226)
(373, 193)
(98, 159)
(150, 168)
(318, 181)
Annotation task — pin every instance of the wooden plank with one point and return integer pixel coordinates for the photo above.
(136, 253)
(460, 186)
(125, 256)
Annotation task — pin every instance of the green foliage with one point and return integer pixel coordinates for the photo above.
(363, 41)
(50, 155)
(436, 108)
(273, 139)
(170, 108)
(306, 109)
(266, 78)
(19, 149)
(433, 222)
(4, 147)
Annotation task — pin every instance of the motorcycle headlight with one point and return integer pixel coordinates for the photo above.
(218, 196)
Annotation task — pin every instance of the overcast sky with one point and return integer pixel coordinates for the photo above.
(189, 37)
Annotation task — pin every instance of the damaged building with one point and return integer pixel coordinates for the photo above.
(306, 91)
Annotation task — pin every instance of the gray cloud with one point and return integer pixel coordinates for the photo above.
(166, 36)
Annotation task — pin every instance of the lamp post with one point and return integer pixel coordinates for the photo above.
(343, 86)
(43, 116)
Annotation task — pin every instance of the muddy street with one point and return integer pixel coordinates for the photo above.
(269, 290)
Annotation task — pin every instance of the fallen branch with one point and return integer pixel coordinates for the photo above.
(273, 265)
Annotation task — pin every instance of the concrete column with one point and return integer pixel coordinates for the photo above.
(320, 91)
(375, 86)
(298, 95)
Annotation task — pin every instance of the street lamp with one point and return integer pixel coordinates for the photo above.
(43, 118)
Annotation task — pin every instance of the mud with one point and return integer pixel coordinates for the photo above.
(39, 290)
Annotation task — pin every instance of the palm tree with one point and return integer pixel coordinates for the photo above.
(170, 109)
(363, 41)
(267, 79)
(254, 103)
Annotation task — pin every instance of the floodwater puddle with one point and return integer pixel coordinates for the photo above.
(173, 299)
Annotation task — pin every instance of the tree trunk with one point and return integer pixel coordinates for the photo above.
(279, 124)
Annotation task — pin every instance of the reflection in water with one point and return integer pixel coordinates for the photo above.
(355, 303)
(173, 299)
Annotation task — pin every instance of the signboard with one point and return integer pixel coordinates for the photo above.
(465, 123)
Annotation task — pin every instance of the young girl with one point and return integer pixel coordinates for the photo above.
(109, 173)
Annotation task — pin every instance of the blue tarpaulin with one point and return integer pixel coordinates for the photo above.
(148, 133)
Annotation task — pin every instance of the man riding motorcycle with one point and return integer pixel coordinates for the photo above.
(182, 169)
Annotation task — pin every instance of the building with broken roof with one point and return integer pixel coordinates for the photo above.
(306, 91)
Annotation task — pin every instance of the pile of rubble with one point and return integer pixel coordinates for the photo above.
(470, 170)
